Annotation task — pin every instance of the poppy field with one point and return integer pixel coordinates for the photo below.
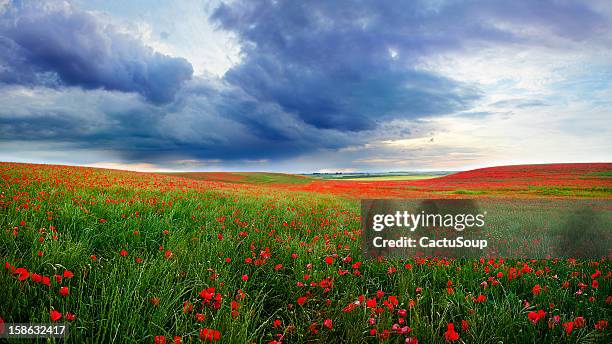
(246, 258)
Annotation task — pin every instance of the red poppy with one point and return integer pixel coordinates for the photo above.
(328, 323)
(534, 317)
(23, 274)
(187, 307)
(451, 334)
(68, 274)
(569, 326)
(70, 316)
(159, 340)
(464, 325)
(601, 325)
(371, 303)
(123, 253)
(64, 291)
(209, 335)
(36, 278)
(55, 315)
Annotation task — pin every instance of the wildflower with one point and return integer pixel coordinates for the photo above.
(536, 289)
(371, 303)
(328, 323)
(600, 325)
(23, 274)
(187, 307)
(451, 334)
(209, 335)
(464, 325)
(534, 317)
(159, 340)
(579, 322)
(55, 315)
(36, 278)
(64, 291)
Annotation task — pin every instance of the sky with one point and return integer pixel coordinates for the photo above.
(317, 86)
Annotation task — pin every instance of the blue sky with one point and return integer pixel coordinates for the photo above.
(305, 86)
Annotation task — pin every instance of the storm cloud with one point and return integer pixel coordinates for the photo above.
(54, 44)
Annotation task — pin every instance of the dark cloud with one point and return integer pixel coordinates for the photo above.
(350, 64)
(341, 66)
(207, 120)
(55, 44)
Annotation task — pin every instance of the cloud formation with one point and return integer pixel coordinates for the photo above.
(315, 80)
(55, 44)
(337, 65)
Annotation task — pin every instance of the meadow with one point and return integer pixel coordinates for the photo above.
(271, 258)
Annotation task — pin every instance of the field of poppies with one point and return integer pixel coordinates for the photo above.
(263, 258)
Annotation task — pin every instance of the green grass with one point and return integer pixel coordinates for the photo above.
(560, 191)
(274, 178)
(468, 192)
(603, 174)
